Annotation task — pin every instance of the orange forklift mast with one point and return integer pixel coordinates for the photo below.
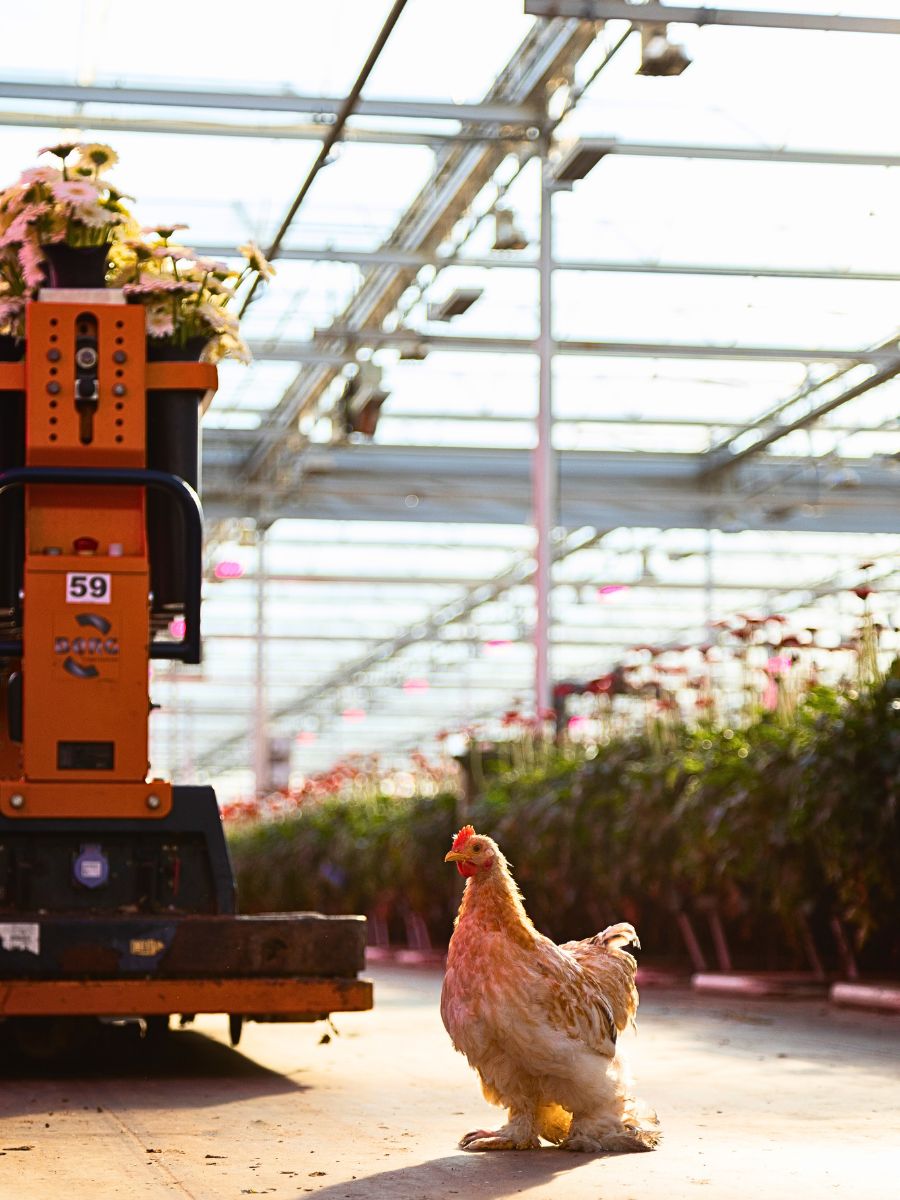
(116, 893)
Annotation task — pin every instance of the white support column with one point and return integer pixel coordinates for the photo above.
(175, 716)
(710, 584)
(260, 709)
(544, 464)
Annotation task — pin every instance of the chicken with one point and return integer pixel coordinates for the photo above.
(537, 1021)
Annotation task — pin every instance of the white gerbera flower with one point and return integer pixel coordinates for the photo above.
(217, 319)
(208, 265)
(178, 253)
(228, 346)
(216, 288)
(160, 322)
(140, 250)
(257, 260)
(95, 216)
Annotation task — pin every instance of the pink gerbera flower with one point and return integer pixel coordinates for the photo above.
(31, 262)
(150, 285)
(63, 150)
(19, 228)
(164, 231)
(47, 175)
(74, 192)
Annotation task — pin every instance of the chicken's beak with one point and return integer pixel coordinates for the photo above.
(454, 856)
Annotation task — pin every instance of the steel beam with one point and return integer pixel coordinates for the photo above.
(543, 466)
(335, 130)
(652, 13)
(547, 52)
(514, 260)
(428, 629)
(610, 266)
(360, 580)
(604, 489)
(485, 113)
(223, 446)
(385, 256)
(832, 158)
(260, 710)
(237, 129)
(430, 540)
(778, 422)
(400, 339)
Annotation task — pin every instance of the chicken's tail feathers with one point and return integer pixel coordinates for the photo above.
(616, 936)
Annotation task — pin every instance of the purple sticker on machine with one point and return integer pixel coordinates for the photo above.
(91, 867)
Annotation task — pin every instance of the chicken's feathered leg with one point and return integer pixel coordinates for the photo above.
(608, 1123)
(554, 1123)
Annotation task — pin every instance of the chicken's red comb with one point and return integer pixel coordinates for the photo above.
(463, 836)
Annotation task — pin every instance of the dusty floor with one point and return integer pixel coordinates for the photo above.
(759, 1101)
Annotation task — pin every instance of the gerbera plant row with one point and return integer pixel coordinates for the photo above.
(190, 300)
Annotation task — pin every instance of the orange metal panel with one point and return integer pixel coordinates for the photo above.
(118, 427)
(59, 515)
(191, 376)
(84, 800)
(145, 997)
(85, 676)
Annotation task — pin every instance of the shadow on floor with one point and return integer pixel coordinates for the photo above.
(86, 1049)
(471, 1176)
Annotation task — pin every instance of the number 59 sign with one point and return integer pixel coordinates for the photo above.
(87, 589)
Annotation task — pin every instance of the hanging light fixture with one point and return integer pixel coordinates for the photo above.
(507, 234)
(359, 405)
(459, 301)
(659, 56)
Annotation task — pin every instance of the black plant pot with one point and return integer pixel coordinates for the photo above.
(75, 266)
(12, 503)
(173, 445)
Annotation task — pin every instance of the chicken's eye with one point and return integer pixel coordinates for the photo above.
(476, 846)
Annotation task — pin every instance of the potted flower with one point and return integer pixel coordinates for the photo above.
(189, 302)
(56, 226)
(66, 225)
(189, 299)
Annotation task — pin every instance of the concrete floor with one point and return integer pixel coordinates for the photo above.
(759, 1101)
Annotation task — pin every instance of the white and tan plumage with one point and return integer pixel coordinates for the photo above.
(539, 1022)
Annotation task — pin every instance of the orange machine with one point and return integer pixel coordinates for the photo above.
(116, 894)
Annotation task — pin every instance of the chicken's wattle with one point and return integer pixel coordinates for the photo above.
(466, 868)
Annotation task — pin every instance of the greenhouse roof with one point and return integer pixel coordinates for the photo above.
(725, 400)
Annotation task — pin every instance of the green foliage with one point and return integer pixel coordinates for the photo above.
(788, 820)
(349, 855)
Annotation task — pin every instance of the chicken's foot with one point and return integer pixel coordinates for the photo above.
(625, 1141)
(515, 1135)
(484, 1139)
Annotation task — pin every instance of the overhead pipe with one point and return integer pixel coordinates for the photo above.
(334, 134)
